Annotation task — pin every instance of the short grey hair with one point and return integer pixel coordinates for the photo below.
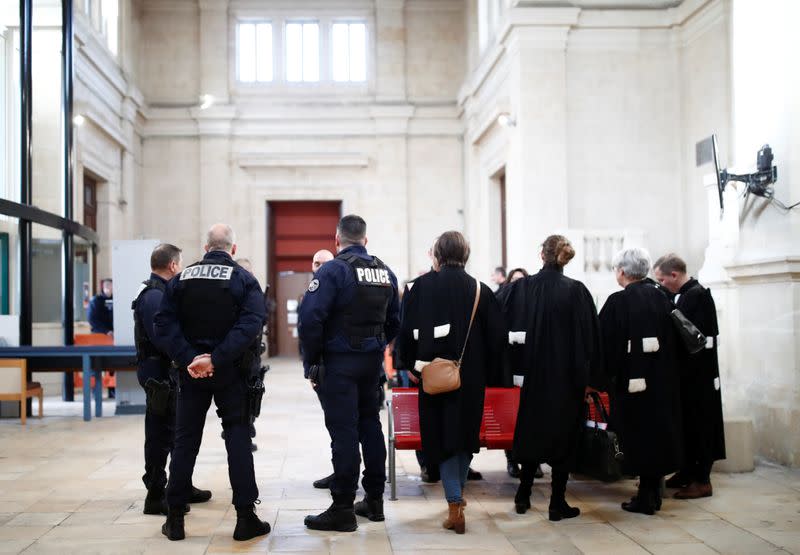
(634, 262)
(220, 238)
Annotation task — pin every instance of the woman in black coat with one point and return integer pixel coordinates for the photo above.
(554, 321)
(640, 347)
(435, 322)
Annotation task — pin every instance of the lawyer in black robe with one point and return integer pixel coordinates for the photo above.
(701, 395)
(553, 320)
(700, 385)
(640, 347)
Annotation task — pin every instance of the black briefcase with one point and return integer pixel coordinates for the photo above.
(599, 456)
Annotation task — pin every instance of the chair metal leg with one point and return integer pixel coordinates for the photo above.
(392, 454)
(392, 470)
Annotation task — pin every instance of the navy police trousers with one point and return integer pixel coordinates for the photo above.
(194, 400)
(159, 430)
(349, 395)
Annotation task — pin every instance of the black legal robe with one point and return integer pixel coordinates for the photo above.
(640, 342)
(701, 393)
(438, 307)
(553, 320)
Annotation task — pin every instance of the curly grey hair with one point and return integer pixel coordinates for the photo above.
(634, 262)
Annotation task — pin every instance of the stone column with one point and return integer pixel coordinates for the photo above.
(390, 59)
(536, 174)
(389, 194)
(214, 126)
(214, 49)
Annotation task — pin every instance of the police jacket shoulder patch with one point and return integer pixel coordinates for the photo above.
(313, 286)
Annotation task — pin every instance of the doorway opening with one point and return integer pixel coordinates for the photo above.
(295, 230)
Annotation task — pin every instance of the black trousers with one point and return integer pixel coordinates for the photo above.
(194, 400)
(349, 396)
(159, 430)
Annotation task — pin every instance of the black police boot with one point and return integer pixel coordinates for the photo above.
(339, 517)
(199, 495)
(155, 503)
(173, 527)
(324, 483)
(371, 507)
(248, 525)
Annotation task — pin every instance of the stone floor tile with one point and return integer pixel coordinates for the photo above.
(14, 546)
(601, 538)
(37, 519)
(727, 538)
(89, 474)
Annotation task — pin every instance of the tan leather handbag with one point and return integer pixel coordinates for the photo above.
(442, 375)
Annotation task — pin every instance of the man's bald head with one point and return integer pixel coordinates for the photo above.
(320, 258)
(221, 238)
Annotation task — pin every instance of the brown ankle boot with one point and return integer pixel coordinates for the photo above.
(455, 518)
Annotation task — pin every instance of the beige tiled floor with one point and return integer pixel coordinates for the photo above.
(67, 486)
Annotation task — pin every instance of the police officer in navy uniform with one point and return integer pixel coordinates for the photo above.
(348, 315)
(155, 377)
(211, 318)
(100, 313)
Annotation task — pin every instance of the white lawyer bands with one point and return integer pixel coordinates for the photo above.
(208, 271)
(438, 332)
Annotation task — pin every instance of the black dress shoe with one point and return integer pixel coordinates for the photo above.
(334, 519)
(643, 504)
(522, 500)
(324, 483)
(248, 525)
(429, 476)
(199, 495)
(513, 469)
(559, 510)
(173, 527)
(474, 475)
(677, 481)
(371, 508)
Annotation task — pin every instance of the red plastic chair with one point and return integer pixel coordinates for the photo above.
(403, 427)
(594, 413)
(499, 417)
(497, 426)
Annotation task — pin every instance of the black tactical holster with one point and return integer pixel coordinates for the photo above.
(160, 396)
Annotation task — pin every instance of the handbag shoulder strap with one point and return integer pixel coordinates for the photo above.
(471, 318)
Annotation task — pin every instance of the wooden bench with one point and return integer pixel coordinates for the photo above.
(500, 408)
(14, 385)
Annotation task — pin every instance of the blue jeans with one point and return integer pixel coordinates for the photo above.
(454, 475)
(402, 378)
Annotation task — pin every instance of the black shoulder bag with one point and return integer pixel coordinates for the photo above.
(599, 456)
